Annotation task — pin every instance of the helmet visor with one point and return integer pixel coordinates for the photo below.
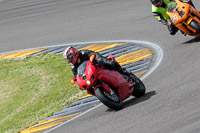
(70, 58)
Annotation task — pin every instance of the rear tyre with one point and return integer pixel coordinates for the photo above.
(111, 100)
(195, 26)
(139, 88)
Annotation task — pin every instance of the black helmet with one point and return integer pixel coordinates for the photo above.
(156, 2)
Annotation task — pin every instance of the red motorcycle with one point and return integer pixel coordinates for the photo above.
(110, 87)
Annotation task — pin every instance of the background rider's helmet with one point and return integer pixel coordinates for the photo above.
(156, 3)
(71, 54)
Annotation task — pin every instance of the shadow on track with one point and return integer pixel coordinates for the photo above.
(133, 101)
(196, 39)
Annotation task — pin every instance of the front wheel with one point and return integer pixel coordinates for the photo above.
(139, 88)
(112, 100)
(195, 26)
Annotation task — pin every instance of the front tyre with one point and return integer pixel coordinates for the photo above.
(139, 88)
(112, 100)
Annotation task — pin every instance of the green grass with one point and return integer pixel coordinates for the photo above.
(32, 89)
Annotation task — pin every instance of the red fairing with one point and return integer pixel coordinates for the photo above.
(91, 70)
(90, 74)
(116, 80)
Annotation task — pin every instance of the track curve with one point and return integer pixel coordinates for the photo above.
(172, 100)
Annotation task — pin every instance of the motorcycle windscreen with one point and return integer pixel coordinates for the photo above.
(171, 7)
(81, 69)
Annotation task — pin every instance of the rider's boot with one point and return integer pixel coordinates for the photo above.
(126, 73)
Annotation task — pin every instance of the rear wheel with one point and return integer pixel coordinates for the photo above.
(112, 100)
(139, 88)
(195, 26)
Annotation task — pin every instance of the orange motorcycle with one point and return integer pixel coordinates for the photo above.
(184, 17)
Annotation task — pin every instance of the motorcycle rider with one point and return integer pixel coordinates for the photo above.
(159, 9)
(75, 58)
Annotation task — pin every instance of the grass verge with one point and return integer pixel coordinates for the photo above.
(32, 89)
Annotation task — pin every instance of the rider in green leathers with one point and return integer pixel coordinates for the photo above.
(159, 9)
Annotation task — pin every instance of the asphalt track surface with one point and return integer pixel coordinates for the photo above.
(172, 102)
